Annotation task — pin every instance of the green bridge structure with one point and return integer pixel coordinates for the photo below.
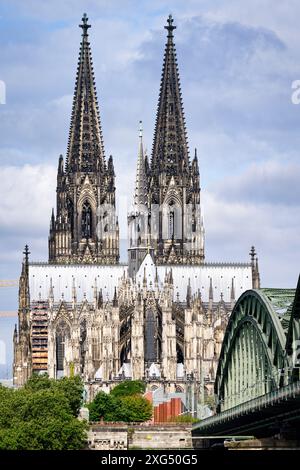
(257, 387)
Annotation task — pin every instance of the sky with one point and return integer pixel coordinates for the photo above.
(237, 63)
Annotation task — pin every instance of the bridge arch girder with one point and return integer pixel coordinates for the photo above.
(253, 359)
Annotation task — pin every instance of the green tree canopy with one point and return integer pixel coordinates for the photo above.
(121, 406)
(71, 387)
(107, 407)
(128, 387)
(39, 418)
(137, 408)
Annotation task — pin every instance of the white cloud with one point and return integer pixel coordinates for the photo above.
(236, 64)
(269, 182)
(232, 227)
(26, 196)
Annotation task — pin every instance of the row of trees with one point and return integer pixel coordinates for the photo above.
(42, 415)
(124, 403)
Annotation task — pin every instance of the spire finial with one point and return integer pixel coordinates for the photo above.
(115, 299)
(252, 254)
(26, 254)
(85, 26)
(141, 130)
(170, 26)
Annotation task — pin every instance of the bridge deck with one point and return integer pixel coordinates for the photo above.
(265, 414)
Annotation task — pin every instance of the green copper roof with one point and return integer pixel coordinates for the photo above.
(282, 302)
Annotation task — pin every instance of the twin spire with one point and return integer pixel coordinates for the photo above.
(85, 147)
(74, 234)
(170, 147)
(170, 152)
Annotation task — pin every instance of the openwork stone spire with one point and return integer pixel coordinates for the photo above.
(170, 146)
(85, 148)
(138, 230)
(176, 231)
(85, 229)
(140, 193)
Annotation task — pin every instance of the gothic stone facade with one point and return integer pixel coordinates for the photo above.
(161, 317)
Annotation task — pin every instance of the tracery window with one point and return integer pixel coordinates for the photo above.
(62, 334)
(82, 344)
(86, 220)
(150, 337)
(70, 209)
(171, 220)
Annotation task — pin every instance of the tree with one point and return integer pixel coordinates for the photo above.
(126, 408)
(137, 408)
(71, 387)
(107, 407)
(38, 382)
(102, 404)
(128, 387)
(39, 419)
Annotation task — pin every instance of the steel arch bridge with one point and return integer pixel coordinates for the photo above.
(253, 359)
(258, 379)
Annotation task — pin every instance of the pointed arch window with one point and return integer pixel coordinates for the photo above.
(83, 346)
(171, 220)
(86, 220)
(62, 334)
(71, 215)
(150, 337)
(171, 224)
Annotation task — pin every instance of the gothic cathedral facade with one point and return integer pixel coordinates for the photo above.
(160, 317)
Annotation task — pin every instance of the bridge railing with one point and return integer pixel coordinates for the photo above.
(263, 401)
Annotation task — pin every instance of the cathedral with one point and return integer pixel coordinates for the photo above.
(161, 316)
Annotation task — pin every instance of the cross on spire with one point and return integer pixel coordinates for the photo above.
(170, 27)
(252, 254)
(141, 130)
(26, 252)
(85, 26)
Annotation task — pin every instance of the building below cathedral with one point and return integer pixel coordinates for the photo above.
(159, 318)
